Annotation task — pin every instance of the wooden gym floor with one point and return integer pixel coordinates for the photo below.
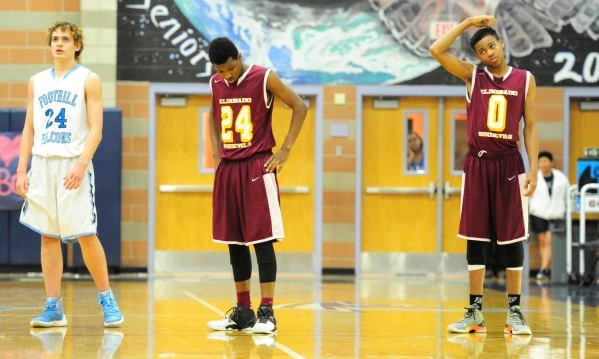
(328, 317)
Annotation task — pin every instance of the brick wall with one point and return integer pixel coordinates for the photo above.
(133, 101)
(339, 166)
(24, 52)
(549, 116)
(23, 47)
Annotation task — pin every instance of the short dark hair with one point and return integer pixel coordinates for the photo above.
(546, 154)
(481, 34)
(221, 49)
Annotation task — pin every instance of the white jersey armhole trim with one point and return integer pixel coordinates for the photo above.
(508, 73)
(267, 101)
(527, 83)
(244, 75)
(469, 92)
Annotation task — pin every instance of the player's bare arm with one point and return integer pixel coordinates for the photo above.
(291, 99)
(95, 120)
(531, 138)
(215, 138)
(26, 144)
(455, 66)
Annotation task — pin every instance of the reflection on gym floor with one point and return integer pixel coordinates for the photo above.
(337, 317)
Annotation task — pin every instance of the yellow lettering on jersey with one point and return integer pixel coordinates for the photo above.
(243, 124)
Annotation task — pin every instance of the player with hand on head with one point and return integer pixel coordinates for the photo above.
(496, 187)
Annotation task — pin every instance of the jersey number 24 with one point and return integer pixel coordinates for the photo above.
(60, 118)
(242, 124)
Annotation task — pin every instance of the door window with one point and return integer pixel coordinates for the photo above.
(459, 144)
(416, 135)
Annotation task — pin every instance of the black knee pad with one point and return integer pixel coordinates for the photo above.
(514, 255)
(265, 253)
(267, 261)
(475, 252)
(241, 261)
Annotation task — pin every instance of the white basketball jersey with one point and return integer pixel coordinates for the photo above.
(60, 113)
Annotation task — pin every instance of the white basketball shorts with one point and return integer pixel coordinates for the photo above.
(52, 210)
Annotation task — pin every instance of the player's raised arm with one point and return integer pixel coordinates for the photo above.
(455, 66)
(291, 99)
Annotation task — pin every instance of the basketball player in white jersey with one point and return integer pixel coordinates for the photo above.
(63, 128)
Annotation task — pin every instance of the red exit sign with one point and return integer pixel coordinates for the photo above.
(439, 28)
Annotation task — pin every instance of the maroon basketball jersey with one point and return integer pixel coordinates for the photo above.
(494, 110)
(243, 113)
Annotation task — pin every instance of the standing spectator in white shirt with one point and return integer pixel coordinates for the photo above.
(547, 204)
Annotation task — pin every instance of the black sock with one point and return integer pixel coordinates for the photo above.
(513, 299)
(477, 300)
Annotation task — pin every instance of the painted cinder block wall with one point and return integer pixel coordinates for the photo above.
(24, 52)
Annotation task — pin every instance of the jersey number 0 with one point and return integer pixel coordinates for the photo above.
(243, 124)
(497, 113)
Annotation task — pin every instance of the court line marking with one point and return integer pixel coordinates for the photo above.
(18, 308)
(283, 348)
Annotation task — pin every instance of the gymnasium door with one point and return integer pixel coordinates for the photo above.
(580, 135)
(185, 178)
(410, 215)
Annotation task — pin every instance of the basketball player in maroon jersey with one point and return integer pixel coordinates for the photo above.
(246, 208)
(495, 186)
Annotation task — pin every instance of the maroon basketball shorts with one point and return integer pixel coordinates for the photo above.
(246, 208)
(492, 200)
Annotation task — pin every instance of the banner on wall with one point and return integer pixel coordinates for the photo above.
(9, 160)
(352, 41)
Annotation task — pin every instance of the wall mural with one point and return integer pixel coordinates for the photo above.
(353, 41)
(9, 160)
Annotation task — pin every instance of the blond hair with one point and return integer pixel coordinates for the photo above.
(75, 30)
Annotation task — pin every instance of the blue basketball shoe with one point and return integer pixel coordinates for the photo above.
(53, 315)
(112, 313)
